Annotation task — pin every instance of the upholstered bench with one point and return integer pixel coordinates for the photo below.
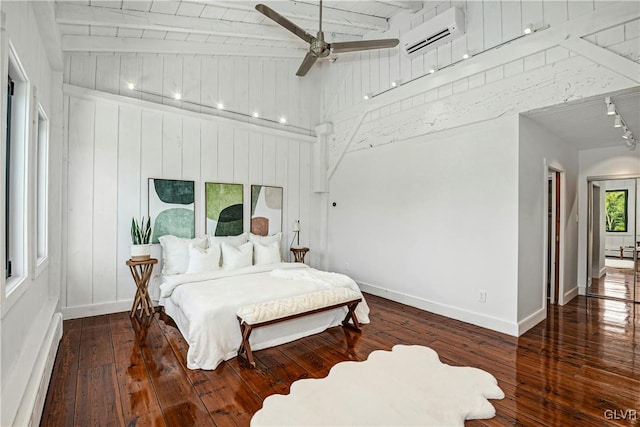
(270, 312)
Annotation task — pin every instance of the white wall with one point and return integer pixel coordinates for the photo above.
(524, 75)
(115, 143)
(433, 220)
(29, 325)
(539, 151)
(599, 162)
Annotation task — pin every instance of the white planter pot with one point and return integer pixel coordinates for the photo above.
(140, 252)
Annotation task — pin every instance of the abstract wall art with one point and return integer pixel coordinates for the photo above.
(266, 210)
(223, 209)
(171, 208)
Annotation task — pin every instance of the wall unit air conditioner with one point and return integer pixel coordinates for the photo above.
(442, 28)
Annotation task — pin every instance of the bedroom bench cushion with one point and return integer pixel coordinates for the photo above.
(269, 312)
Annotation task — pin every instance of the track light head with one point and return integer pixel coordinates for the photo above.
(611, 107)
(617, 123)
(627, 134)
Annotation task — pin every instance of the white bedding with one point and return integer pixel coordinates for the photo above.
(204, 307)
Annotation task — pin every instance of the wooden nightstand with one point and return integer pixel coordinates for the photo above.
(141, 272)
(299, 253)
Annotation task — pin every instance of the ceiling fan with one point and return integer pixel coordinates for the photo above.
(318, 47)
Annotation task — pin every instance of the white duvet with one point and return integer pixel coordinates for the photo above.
(204, 307)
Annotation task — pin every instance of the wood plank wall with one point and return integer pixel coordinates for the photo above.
(489, 23)
(114, 149)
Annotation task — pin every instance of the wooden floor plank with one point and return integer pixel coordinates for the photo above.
(569, 370)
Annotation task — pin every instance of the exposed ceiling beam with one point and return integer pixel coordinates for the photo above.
(74, 43)
(77, 14)
(600, 55)
(413, 6)
(298, 11)
(45, 17)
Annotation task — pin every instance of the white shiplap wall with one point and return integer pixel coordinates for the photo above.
(489, 23)
(116, 143)
(243, 85)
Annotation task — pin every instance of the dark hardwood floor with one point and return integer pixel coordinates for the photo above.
(579, 367)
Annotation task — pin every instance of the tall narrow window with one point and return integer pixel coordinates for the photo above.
(616, 207)
(42, 158)
(16, 173)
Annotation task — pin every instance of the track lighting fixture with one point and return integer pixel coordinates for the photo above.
(177, 96)
(466, 55)
(367, 96)
(617, 122)
(432, 69)
(131, 86)
(220, 106)
(283, 120)
(627, 134)
(395, 83)
(528, 29)
(611, 107)
(255, 115)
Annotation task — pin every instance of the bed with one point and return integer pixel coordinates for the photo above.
(204, 306)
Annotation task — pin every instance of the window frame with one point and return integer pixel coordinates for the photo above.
(40, 189)
(626, 210)
(14, 287)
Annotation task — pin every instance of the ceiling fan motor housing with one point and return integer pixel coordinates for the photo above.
(319, 47)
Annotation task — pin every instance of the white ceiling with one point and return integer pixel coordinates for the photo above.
(214, 27)
(585, 123)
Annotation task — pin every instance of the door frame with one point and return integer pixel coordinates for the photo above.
(558, 230)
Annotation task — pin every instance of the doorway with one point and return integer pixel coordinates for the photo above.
(612, 238)
(553, 235)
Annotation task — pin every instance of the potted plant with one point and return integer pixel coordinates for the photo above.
(140, 238)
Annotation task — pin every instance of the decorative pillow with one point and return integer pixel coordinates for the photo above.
(231, 240)
(266, 254)
(175, 253)
(265, 240)
(236, 257)
(203, 260)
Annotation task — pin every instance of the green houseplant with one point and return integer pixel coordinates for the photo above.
(140, 239)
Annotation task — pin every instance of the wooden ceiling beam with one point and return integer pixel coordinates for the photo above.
(97, 44)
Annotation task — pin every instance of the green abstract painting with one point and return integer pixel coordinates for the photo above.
(224, 209)
(172, 208)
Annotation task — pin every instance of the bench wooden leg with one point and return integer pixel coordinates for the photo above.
(245, 347)
(351, 314)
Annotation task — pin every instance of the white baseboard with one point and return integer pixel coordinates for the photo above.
(489, 322)
(569, 295)
(25, 391)
(96, 309)
(532, 320)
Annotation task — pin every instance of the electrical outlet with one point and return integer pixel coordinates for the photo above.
(482, 297)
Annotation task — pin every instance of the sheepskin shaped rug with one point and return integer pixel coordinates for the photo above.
(407, 386)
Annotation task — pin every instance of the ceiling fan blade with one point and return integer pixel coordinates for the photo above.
(342, 47)
(307, 62)
(281, 20)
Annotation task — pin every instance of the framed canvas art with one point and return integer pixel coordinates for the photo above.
(223, 209)
(266, 210)
(172, 208)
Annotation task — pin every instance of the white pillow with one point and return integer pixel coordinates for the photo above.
(265, 240)
(175, 253)
(202, 260)
(266, 254)
(231, 240)
(236, 257)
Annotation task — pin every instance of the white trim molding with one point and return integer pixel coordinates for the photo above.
(525, 324)
(96, 309)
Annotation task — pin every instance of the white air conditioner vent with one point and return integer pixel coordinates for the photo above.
(437, 31)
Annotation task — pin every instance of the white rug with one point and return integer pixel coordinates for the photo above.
(407, 386)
